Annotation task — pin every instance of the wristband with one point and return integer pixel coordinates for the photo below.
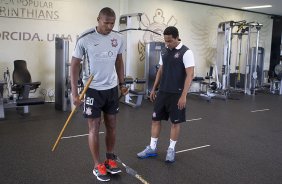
(121, 84)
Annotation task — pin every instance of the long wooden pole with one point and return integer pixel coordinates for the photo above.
(72, 112)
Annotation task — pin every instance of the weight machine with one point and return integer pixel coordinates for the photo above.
(152, 58)
(253, 76)
(134, 102)
(276, 82)
(62, 75)
(125, 27)
(18, 89)
(63, 99)
(224, 55)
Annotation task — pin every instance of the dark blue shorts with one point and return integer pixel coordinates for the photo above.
(96, 101)
(166, 107)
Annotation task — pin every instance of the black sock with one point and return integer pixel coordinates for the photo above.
(111, 156)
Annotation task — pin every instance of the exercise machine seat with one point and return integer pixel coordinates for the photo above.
(23, 85)
(21, 77)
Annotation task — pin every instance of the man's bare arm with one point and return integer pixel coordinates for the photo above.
(74, 72)
(120, 68)
(188, 80)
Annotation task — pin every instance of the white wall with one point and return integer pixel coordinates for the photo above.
(197, 25)
(37, 47)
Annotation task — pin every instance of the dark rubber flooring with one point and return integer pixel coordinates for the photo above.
(229, 142)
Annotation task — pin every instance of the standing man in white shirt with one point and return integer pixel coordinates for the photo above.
(174, 76)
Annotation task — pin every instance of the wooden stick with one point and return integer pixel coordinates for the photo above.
(141, 179)
(132, 172)
(72, 112)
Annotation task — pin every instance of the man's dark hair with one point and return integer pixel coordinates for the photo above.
(107, 12)
(171, 30)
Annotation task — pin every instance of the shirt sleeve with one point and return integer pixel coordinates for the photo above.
(161, 60)
(78, 50)
(188, 59)
(122, 47)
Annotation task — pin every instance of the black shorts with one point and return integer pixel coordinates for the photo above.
(96, 101)
(166, 107)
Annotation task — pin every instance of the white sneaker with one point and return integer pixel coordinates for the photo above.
(147, 152)
(170, 156)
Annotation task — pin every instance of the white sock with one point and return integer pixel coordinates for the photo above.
(154, 142)
(172, 144)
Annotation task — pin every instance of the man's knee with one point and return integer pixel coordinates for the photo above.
(175, 125)
(94, 125)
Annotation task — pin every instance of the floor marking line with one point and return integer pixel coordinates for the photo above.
(196, 119)
(68, 137)
(193, 148)
(260, 110)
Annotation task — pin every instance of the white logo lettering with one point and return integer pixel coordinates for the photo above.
(89, 101)
(88, 111)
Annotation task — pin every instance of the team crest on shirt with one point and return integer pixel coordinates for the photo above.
(88, 111)
(114, 42)
(110, 53)
(177, 55)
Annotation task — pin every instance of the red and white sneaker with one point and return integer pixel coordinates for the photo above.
(112, 167)
(101, 173)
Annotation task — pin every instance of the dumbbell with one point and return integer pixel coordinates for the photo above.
(140, 81)
(130, 80)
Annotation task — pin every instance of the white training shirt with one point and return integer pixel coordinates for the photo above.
(99, 53)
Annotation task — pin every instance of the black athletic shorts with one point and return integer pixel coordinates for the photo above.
(166, 107)
(96, 101)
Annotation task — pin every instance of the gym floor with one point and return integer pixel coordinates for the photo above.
(223, 142)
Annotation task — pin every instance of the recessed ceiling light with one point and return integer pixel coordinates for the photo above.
(254, 7)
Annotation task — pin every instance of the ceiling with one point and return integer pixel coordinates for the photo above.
(276, 8)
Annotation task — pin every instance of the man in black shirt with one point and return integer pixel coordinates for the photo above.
(174, 76)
